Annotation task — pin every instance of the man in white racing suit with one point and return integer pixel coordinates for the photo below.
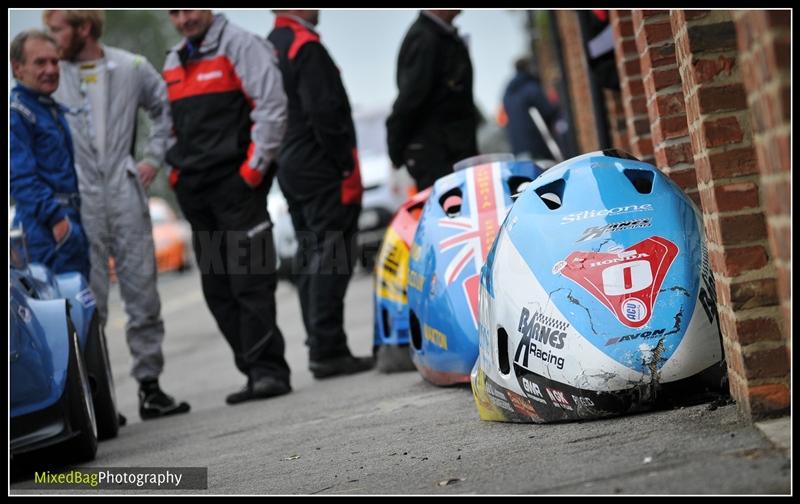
(103, 89)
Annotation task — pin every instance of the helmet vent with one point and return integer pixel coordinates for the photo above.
(502, 351)
(517, 185)
(451, 202)
(552, 194)
(416, 330)
(642, 180)
(386, 322)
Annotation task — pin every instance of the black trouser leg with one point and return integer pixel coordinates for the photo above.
(324, 279)
(242, 295)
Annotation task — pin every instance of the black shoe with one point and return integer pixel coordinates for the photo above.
(340, 366)
(262, 388)
(154, 403)
(123, 420)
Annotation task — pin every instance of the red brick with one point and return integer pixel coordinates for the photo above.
(670, 104)
(657, 32)
(733, 355)
(634, 87)
(750, 331)
(666, 78)
(662, 56)
(735, 261)
(642, 147)
(778, 18)
(759, 115)
(722, 132)
(783, 275)
(674, 127)
(686, 179)
(781, 50)
(777, 196)
(641, 126)
(623, 28)
(631, 68)
(774, 107)
(780, 239)
(736, 196)
(697, 148)
(753, 294)
(732, 163)
(705, 70)
(629, 47)
(762, 364)
(786, 102)
(739, 229)
(712, 37)
(678, 153)
(718, 98)
(638, 105)
(768, 400)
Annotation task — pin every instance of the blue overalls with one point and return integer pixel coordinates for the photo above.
(43, 182)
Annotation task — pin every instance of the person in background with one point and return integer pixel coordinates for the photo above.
(229, 112)
(320, 177)
(103, 89)
(434, 121)
(523, 93)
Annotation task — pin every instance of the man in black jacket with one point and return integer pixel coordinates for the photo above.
(320, 178)
(433, 122)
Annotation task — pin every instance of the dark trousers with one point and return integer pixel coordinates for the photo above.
(232, 239)
(326, 253)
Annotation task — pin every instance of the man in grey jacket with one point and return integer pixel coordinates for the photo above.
(229, 112)
(103, 88)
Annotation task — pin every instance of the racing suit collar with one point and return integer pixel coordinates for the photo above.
(282, 20)
(35, 95)
(210, 39)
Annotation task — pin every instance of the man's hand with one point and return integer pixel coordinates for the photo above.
(61, 229)
(147, 173)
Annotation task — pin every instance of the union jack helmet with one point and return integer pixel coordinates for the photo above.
(455, 234)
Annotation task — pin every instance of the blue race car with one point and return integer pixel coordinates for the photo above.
(62, 391)
(597, 298)
(456, 230)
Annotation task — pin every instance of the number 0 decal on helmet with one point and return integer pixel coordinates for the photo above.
(627, 283)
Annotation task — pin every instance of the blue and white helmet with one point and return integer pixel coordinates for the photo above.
(597, 297)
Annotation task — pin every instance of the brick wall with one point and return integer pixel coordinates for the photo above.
(577, 71)
(764, 41)
(634, 100)
(617, 124)
(728, 182)
(663, 92)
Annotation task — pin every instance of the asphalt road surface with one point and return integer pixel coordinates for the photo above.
(396, 434)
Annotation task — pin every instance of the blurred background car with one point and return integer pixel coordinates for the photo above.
(282, 231)
(385, 188)
(172, 237)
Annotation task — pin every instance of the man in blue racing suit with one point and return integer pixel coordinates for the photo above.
(43, 182)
